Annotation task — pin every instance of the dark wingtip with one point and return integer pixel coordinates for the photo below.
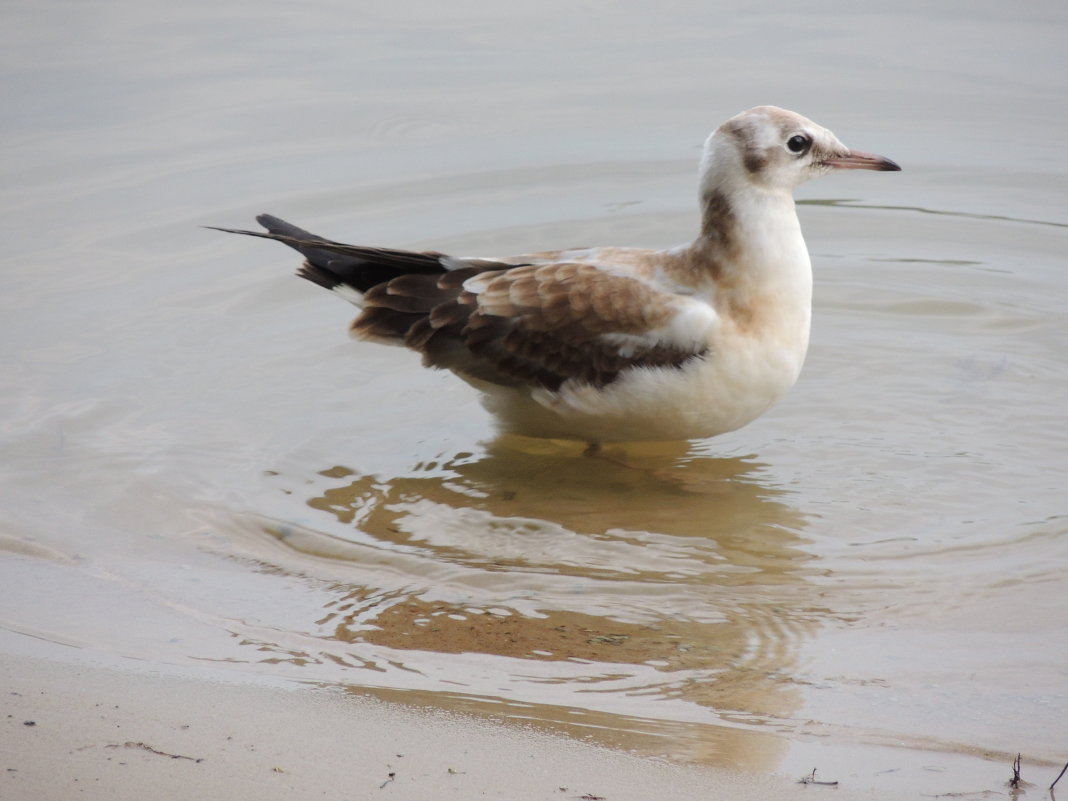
(279, 227)
(232, 230)
(269, 221)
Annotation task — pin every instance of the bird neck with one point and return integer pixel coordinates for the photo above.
(753, 257)
(749, 228)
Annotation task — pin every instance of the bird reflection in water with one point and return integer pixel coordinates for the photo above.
(673, 575)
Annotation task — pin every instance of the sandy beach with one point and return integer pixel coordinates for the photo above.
(81, 731)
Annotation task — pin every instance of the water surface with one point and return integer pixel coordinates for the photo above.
(200, 469)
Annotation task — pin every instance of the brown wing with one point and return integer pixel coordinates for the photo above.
(535, 325)
(502, 322)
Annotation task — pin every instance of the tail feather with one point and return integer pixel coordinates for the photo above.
(332, 264)
(406, 298)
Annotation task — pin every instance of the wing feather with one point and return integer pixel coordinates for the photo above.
(547, 324)
(509, 322)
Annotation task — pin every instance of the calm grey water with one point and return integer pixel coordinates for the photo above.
(199, 469)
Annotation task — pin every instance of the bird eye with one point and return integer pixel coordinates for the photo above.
(798, 143)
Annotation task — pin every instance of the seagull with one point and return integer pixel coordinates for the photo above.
(617, 344)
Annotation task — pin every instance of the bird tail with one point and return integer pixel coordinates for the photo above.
(348, 270)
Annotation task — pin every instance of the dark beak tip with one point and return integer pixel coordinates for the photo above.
(890, 166)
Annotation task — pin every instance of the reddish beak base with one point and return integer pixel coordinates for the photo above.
(858, 160)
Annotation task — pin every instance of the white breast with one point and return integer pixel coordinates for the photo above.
(737, 382)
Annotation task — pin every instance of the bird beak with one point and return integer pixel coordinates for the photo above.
(858, 160)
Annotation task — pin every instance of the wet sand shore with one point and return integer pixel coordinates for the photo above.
(78, 731)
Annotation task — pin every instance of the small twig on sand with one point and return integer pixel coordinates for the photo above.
(392, 775)
(1059, 775)
(150, 749)
(811, 779)
(1014, 782)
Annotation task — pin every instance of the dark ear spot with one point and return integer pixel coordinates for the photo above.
(755, 161)
(752, 157)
